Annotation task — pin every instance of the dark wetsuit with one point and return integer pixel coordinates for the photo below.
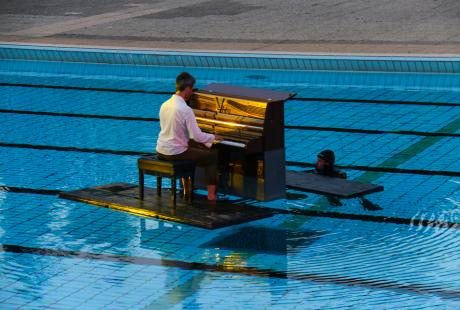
(333, 173)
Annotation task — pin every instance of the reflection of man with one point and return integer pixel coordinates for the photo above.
(178, 125)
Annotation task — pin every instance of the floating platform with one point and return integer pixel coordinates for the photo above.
(324, 185)
(200, 213)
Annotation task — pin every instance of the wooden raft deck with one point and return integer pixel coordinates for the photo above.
(200, 213)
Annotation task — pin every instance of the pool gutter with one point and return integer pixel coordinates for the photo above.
(231, 59)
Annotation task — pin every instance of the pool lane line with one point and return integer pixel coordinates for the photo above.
(291, 211)
(381, 169)
(74, 149)
(26, 190)
(78, 115)
(421, 289)
(305, 99)
(289, 163)
(296, 127)
(98, 89)
(375, 101)
(374, 131)
(370, 218)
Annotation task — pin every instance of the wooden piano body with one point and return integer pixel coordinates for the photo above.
(252, 157)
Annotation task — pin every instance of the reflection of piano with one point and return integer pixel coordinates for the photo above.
(251, 158)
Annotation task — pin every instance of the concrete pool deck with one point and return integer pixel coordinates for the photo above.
(403, 27)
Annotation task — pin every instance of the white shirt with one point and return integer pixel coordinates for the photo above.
(178, 125)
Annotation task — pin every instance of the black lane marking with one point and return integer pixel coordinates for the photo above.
(292, 211)
(25, 190)
(89, 88)
(77, 115)
(72, 149)
(370, 218)
(375, 101)
(248, 271)
(372, 131)
(383, 169)
(318, 128)
(306, 99)
(290, 163)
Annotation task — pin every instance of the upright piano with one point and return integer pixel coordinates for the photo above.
(252, 156)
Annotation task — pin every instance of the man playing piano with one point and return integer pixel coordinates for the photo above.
(178, 125)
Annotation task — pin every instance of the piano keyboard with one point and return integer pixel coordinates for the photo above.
(231, 143)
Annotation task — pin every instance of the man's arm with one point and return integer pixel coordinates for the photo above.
(194, 131)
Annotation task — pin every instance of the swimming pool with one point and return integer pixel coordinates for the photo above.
(74, 118)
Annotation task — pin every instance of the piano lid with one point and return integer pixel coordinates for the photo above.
(256, 94)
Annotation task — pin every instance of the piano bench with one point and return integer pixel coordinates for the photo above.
(173, 169)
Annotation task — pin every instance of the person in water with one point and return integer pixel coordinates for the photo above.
(325, 165)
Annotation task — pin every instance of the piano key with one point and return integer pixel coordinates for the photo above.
(231, 143)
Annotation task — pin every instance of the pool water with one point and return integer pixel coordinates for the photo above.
(64, 130)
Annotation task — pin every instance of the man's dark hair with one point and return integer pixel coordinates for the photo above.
(184, 80)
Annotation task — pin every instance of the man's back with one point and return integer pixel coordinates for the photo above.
(178, 125)
(173, 137)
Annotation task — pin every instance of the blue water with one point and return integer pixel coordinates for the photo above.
(325, 262)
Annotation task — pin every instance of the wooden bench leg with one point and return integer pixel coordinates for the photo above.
(192, 178)
(183, 186)
(186, 187)
(159, 186)
(173, 190)
(141, 184)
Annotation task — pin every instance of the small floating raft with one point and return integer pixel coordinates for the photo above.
(323, 185)
(200, 213)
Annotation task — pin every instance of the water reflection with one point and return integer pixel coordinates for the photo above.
(232, 249)
(26, 271)
(264, 240)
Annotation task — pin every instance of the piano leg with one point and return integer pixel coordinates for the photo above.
(183, 186)
(187, 187)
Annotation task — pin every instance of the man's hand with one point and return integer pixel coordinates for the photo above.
(218, 138)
